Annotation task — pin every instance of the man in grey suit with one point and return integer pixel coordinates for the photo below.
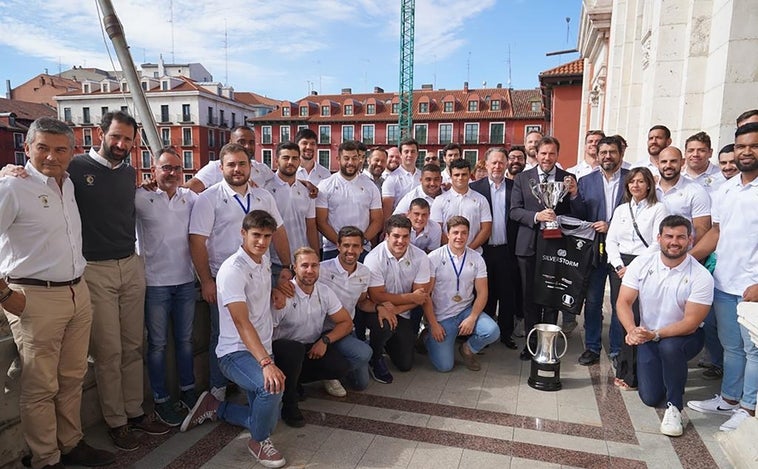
(529, 213)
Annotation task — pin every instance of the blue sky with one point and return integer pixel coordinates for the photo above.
(284, 48)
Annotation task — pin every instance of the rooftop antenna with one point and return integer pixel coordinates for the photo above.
(468, 66)
(568, 21)
(509, 65)
(60, 70)
(434, 76)
(226, 55)
(171, 20)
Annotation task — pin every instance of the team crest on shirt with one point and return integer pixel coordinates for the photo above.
(45, 202)
(89, 179)
(562, 252)
(579, 243)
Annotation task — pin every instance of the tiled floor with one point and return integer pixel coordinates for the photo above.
(464, 419)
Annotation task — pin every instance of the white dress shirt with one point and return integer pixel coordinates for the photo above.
(348, 202)
(447, 284)
(472, 205)
(211, 173)
(647, 164)
(295, 206)
(622, 237)
(399, 183)
(499, 234)
(347, 287)
(404, 205)
(582, 169)
(397, 275)
(162, 227)
(686, 198)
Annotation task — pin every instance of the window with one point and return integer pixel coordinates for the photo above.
(266, 135)
(447, 106)
(186, 136)
(142, 137)
(144, 86)
(18, 139)
(234, 119)
(284, 133)
(348, 132)
(395, 108)
(325, 110)
(325, 134)
(393, 134)
(146, 177)
(164, 113)
(303, 110)
(370, 109)
(166, 136)
(86, 119)
(87, 137)
(211, 156)
(145, 159)
(446, 134)
(536, 106)
(87, 88)
(419, 133)
(495, 105)
(497, 132)
(301, 127)
(187, 178)
(67, 114)
(155, 74)
(210, 116)
(532, 128)
(221, 120)
(471, 133)
(286, 111)
(20, 158)
(423, 108)
(473, 106)
(124, 87)
(471, 156)
(211, 138)
(325, 159)
(125, 109)
(367, 132)
(164, 85)
(266, 157)
(348, 109)
(420, 159)
(103, 110)
(187, 159)
(186, 117)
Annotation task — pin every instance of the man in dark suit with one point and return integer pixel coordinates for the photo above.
(529, 213)
(499, 250)
(601, 192)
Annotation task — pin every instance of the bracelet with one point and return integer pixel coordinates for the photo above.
(5, 294)
(266, 362)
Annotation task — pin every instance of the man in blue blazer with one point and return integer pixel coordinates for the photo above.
(529, 213)
(601, 192)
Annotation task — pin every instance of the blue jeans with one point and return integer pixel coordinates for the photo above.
(662, 368)
(215, 378)
(740, 381)
(177, 304)
(712, 343)
(442, 354)
(358, 354)
(593, 312)
(262, 412)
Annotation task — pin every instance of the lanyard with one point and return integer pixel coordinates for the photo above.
(244, 209)
(455, 269)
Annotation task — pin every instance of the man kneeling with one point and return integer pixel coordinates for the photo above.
(457, 273)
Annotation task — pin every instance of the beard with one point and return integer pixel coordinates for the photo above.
(108, 154)
(746, 167)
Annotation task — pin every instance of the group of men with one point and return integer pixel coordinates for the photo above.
(298, 264)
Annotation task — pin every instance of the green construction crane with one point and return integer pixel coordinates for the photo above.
(407, 21)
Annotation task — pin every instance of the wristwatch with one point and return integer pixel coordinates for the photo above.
(619, 267)
(657, 337)
(326, 340)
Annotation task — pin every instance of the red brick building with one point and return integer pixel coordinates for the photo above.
(15, 118)
(475, 118)
(562, 95)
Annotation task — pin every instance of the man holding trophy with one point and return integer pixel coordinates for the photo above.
(539, 195)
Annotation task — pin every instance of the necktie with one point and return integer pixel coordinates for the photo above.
(545, 176)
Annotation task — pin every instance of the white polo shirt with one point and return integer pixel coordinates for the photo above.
(686, 198)
(429, 239)
(471, 205)
(295, 206)
(211, 173)
(399, 183)
(317, 174)
(582, 169)
(218, 214)
(397, 275)
(240, 279)
(663, 292)
(447, 284)
(404, 204)
(710, 179)
(302, 318)
(40, 228)
(347, 287)
(162, 227)
(737, 250)
(347, 202)
(647, 164)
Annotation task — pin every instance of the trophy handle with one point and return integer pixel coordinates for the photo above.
(565, 345)
(529, 347)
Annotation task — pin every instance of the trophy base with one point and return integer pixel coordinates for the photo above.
(552, 233)
(545, 376)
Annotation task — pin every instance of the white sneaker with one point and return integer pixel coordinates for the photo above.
(219, 393)
(334, 388)
(717, 405)
(737, 418)
(672, 421)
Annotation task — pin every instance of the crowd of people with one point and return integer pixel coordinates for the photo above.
(318, 277)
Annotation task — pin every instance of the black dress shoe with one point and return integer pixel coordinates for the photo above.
(525, 356)
(588, 357)
(292, 416)
(508, 342)
(85, 455)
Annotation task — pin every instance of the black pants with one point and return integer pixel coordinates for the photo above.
(291, 357)
(626, 367)
(533, 313)
(398, 343)
(502, 286)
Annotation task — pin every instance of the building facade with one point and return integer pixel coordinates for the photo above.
(15, 118)
(562, 95)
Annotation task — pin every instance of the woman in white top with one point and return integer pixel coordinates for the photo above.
(633, 229)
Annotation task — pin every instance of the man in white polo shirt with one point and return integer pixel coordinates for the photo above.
(425, 234)
(429, 188)
(214, 224)
(402, 179)
(310, 169)
(675, 293)
(347, 198)
(459, 295)
(162, 224)
(699, 169)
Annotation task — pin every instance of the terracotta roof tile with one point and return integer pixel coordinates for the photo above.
(571, 68)
(255, 99)
(25, 110)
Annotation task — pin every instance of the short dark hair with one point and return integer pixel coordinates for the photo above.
(701, 137)
(665, 130)
(260, 219)
(433, 168)
(593, 132)
(549, 140)
(419, 202)
(306, 133)
(287, 145)
(120, 117)
(48, 125)
(349, 231)
(407, 142)
(231, 148)
(457, 220)
(727, 149)
(622, 142)
(372, 150)
(746, 115)
(610, 141)
(362, 146)
(347, 145)
(460, 164)
(672, 221)
(452, 146)
(746, 129)
(397, 221)
(240, 127)
(520, 148)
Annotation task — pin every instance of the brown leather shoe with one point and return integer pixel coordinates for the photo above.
(469, 357)
(147, 423)
(85, 455)
(124, 438)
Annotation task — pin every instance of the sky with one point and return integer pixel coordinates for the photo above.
(284, 49)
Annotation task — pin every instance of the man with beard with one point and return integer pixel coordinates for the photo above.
(428, 189)
(697, 153)
(347, 198)
(162, 224)
(403, 179)
(727, 163)
(530, 143)
(310, 170)
(735, 222)
(516, 161)
(297, 209)
(675, 293)
(214, 236)
(377, 163)
(451, 152)
(601, 192)
(590, 161)
(393, 161)
(658, 138)
(680, 195)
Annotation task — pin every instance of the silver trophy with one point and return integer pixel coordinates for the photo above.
(549, 194)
